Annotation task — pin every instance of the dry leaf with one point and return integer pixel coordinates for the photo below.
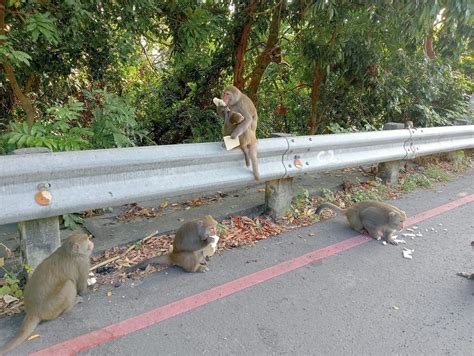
(109, 293)
(32, 337)
(7, 298)
(164, 204)
(125, 262)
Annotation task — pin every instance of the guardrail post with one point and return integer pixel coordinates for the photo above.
(457, 157)
(278, 196)
(38, 238)
(390, 171)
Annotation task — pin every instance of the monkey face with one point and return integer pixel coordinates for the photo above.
(236, 118)
(212, 231)
(227, 97)
(396, 220)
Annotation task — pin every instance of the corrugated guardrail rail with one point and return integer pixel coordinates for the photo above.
(82, 180)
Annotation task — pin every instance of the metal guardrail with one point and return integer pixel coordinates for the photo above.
(82, 180)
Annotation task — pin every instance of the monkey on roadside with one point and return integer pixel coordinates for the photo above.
(54, 286)
(468, 275)
(189, 246)
(246, 129)
(375, 217)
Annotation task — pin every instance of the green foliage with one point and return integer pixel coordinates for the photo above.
(114, 123)
(8, 53)
(366, 194)
(60, 131)
(328, 195)
(42, 24)
(11, 286)
(414, 180)
(144, 72)
(71, 221)
(436, 173)
(302, 197)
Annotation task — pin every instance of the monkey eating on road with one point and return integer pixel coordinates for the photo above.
(377, 218)
(192, 243)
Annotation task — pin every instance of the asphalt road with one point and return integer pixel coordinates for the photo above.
(365, 300)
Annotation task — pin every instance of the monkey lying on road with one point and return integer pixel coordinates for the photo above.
(53, 287)
(377, 218)
(193, 242)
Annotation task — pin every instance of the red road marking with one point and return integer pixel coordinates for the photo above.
(128, 326)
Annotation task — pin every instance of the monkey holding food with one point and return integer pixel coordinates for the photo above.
(54, 286)
(240, 120)
(193, 241)
(377, 218)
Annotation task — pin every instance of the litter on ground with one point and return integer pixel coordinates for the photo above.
(407, 253)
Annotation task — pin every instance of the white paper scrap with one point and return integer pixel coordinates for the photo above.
(231, 143)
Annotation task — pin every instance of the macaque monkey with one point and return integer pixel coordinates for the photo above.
(244, 127)
(377, 218)
(468, 275)
(54, 286)
(189, 246)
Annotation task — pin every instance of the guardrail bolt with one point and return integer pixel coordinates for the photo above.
(44, 196)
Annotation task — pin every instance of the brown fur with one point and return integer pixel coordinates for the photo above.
(53, 287)
(189, 245)
(246, 129)
(468, 275)
(375, 217)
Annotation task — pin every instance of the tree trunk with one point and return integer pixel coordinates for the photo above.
(271, 51)
(428, 46)
(25, 102)
(238, 69)
(317, 80)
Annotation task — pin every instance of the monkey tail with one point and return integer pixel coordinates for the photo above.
(28, 325)
(158, 260)
(329, 206)
(253, 159)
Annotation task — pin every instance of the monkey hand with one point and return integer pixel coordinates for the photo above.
(202, 268)
(233, 136)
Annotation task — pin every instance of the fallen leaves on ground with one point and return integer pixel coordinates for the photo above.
(7, 309)
(136, 211)
(245, 231)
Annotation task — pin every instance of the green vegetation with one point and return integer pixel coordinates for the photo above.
(415, 180)
(11, 286)
(82, 74)
(436, 173)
